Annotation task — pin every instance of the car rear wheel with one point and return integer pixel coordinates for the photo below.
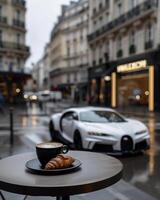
(78, 141)
(53, 132)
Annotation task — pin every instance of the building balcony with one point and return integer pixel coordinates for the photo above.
(19, 3)
(3, 20)
(14, 48)
(19, 24)
(132, 49)
(102, 8)
(140, 11)
(148, 45)
(119, 53)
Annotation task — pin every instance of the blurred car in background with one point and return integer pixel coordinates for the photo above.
(99, 129)
(45, 96)
(30, 96)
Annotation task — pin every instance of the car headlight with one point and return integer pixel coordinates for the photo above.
(98, 134)
(25, 96)
(141, 132)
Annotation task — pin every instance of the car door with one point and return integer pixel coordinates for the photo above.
(67, 124)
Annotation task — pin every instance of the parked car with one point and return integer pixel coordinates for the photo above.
(56, 96)
(45, 96)
(99, 129)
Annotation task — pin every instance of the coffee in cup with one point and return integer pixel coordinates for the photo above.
(48, 150)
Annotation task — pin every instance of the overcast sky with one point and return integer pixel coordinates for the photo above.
(40, 18)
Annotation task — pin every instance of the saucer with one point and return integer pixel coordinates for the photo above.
(34, 166)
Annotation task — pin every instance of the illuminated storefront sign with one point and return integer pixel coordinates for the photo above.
(135, 66)
(114, 90)
(151, 88)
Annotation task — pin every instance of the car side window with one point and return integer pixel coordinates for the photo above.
(75, 116)
(68, 116)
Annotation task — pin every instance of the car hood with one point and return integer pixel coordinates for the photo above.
(130, 127)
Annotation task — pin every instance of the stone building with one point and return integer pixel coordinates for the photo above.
(69, 50)
(124, 42)
(13, 50)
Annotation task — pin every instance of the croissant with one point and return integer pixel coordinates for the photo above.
(59, 162)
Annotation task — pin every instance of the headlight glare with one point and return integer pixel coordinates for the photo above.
(140, 132)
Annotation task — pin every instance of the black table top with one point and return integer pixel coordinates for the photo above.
(97, 171)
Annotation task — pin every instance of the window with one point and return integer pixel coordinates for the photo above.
(18, 15)
(149, 32)
(100, 54)
(100, 116)
(100, 20)
(18, 38)
(94, 11)
(149, 36)
(100, 6)
(75, 46)
(107, 17)
(132, 47)
(119, 43)
(119, 47)
(18, 63)
(68, 78)
(75, 77)
(132, 38)
(68, 48)
(133, 3)
(119, 6)
(107, 3)
(1, 36)
(81, 38)
(1, 62)
(0, 10)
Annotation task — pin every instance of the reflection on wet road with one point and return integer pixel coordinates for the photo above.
(143, 170)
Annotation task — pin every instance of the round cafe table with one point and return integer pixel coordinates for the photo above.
(97, 171)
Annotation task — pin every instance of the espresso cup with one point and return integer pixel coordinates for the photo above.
(47, 151)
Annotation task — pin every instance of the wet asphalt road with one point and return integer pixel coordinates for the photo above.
(141, 170)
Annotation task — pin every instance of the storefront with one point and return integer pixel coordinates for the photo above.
(134, 86)
(127, 83)
(12, 85)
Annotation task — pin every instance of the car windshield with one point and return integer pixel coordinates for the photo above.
(99, 116)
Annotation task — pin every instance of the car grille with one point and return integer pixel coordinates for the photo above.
(141, 145)
(103, 148)
(126, 143)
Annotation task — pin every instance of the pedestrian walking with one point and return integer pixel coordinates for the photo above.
(77, 97)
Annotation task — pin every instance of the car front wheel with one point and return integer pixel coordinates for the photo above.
(78, 141)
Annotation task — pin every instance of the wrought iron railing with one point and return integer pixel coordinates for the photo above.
(138, 11)
(18, 23)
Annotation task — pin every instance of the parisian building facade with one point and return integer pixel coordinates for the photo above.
(124, 47)
(13, 50)
(69, 51)
(41, 71)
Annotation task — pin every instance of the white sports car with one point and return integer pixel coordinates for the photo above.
(99, 129)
